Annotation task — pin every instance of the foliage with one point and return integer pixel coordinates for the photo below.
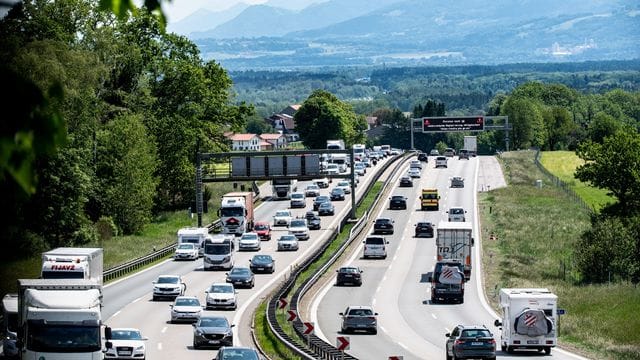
(257, 125)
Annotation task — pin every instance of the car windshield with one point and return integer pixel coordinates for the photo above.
(298, 223)
(118, 334)
(249, 236)
(337, 191)
(349, 270)
(297, 196)
(167, 280)
(360, 312)
(312, 187)
(185, 246)
(456, 211)
(239, 271)
(214, 322)
(282, 213)
(375, 241)
(383, 221)
(321, 199)
(261, 227)
(261, 259)
(325, 205)
(344, 183)
(424, 224)
(472, 333)
(287, 238)
(221, 289)
(187, 302)
(396, 198)
(238, 354)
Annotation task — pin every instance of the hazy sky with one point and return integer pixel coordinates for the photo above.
(178, 9)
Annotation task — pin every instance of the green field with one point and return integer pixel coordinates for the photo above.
(563, 164)
(536, 231)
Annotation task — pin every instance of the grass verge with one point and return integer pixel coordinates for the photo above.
(536, 235)
(268, 341)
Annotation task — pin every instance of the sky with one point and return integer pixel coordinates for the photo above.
(178, 9)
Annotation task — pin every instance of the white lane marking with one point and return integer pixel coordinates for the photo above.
(447, 330)
(378, 289)
(434, 316)
(164, 329)
(159, 346)
(116, 313)
(383, 329)
(384, 278)
(403, 345)
(138, 299)
(373, 303)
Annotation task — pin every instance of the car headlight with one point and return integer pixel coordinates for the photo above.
(140, 348)
(199, 332)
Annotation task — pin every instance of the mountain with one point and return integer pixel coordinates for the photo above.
(204, 19)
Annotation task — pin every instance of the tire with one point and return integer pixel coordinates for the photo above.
(547, 350)
(503, 347)
(195, 345)
(447, 354)
(509, 349)
(374, 331)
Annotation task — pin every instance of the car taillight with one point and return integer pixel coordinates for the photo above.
(549, 342)
(492, 341)
(371, 318)
(459, 342)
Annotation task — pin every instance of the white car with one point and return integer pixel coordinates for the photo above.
(457, 181)
(287, 242)
(322, 183)
(126, 343)
(221, 295)
(312, 190)
(249, 241)
(332, 169)
(185, 308)
(456, 214)
(282, 218)
(345, 186)
(186, 251)
(441, 161)
(168, 286)
(414, 172)
(415, 164)
(360, 169)
(299, 228)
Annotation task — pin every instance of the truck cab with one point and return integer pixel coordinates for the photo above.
(10, 325)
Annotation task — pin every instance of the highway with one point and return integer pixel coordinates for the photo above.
(409, 325)
(127, 302)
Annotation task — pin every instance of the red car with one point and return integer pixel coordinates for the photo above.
(263, 229)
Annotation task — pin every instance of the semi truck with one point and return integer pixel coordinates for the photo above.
(236, 212)
(73, 263)
(282, 188)
(471, 145)
(195, 236)
(529, 319)
(59, 319)
(454, 241)
(10, 325)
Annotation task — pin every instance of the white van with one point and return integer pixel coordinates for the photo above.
(375, 246)
(218, 252)
(456, 214)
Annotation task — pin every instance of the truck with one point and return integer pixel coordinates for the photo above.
(529, 319)
(429, 200)
(281, 189)
(236, 212)
(335, 145)
(59, 319)
(471, 145)
(10, 325)
(454, 241)
(73, 263)
(193, 235)
(218, 252)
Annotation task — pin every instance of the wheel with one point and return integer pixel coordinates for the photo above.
(509, 349)
(195, 345)
(547, 350)
(448, 356)
(374, 331)
(503, 347)
(154, 298)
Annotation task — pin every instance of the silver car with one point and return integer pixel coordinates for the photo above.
(359, 318)
(185, 308)
(249, 241)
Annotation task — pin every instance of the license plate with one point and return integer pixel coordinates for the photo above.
(213, 341)
(260, 269)
(476, 343)
(124, 353)
(532, 342)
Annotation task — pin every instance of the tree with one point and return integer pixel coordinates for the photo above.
(527, 121)
(257, 125)
(559, 126)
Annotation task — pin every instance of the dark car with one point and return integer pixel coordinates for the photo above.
(262, 263)
(424, 229)
(237, 353)
(349, 275)
(326, 209)
(383, 226)
(313, 220)
(463, 154)
(263, 229)
(406, 181)
(447, 281)
(423, 157)
(319, 200)
(213, 331)
(475, 342)
(337, 194)
(241, 277)
(397, 202)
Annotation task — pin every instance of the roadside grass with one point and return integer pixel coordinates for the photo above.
(563, 164)
(287, 327)
(267, 340)
(536, 231)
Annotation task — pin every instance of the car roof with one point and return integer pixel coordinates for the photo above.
(424, 223)
(383, 218)
(360, 307)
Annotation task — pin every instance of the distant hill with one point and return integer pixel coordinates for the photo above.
(204, 19)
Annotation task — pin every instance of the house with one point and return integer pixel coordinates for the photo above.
(245, 142)
(290, 110)
(276, 141)
(284, 124)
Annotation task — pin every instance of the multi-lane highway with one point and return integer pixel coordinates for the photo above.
(128, 303)
(409, 325)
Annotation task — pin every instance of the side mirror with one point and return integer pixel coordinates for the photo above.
(193, 324)
(171, 306)
(497, 323)
(108, 345)
(430, 278)
(447, 335)
(107, 333)
(341, 314)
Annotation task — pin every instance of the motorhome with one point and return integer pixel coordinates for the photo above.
(193, 235)
(73, 263)
(218, 252)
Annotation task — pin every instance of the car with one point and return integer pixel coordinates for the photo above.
(288, 242)
(447, 281)
(449, 152)
(326, 208)
(322, 183)
(313, 220)
(282, 218)
(249, 241)
(241, 277)
(463, 154)
(434, 152)
(359, 318)
(237, 353)
(456, 214)
(415, 164)
(168, 286)
(262, 263)
(345, 186)
(212, 330)
(185, 308)
(298, 200)
(397, 202)
(319, 200)
(337, 194)
(457, 182)
(186, 251)
(470, 341)
(375, 246)
(126, 343)
(424, 228)
(414, 173)
(383, 226)
(349, 275)
(263, 229)
(312, 190)
(406, 181)
(441, 161)
(366, 161)
(299, 228)
(360, 169)
(221, 295)
(423, 157)
(332, 169)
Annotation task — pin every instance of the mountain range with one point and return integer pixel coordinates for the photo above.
(362, 32)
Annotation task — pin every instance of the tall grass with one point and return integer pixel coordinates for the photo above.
(536, 233)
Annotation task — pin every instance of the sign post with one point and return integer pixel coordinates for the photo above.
(308, 330)
(342, 344)
(282, 302)
(292, 315)
(560, 312)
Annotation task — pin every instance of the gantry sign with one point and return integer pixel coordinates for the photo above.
(265, 166)
(435, 124)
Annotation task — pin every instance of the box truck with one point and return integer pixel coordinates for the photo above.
(10, 325)
(529, 319)
(236, 212)
(471, 145)
(454, 241)
(73, 263)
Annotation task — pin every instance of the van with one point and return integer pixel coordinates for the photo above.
(218, 252)
(375, 246)
(457, 214)
(195, 236)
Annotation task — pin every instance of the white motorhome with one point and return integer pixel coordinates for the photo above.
(60, 319)
(218, 252)
(529, 319)
(195, 236)
(73, 263)
(342, 160)
(359, 151)
(10, 325)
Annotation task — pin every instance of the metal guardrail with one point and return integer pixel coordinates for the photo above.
(316, 347)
